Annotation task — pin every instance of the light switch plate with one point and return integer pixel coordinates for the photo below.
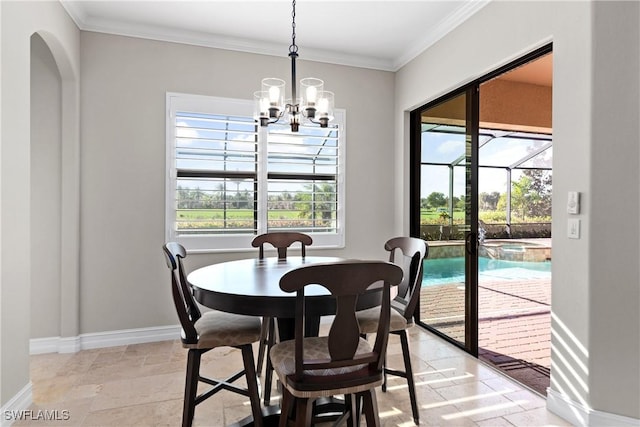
(573, 228)
(573, 202)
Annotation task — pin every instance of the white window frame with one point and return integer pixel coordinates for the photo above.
(194, 243)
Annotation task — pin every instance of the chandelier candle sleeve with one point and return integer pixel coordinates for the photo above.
(311, 88)
(324, 113)
(274, 90)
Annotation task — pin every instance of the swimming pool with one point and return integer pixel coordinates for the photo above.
(441, 271)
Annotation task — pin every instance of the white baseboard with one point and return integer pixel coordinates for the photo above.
(103, 339)
(579, 415)
(17, 404)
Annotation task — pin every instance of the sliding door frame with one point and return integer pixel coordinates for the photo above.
(472, 90)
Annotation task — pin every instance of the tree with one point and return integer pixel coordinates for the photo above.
(520, 193)
(489, 201)
(541, 187)
(436, 199)
(318, 202)
(531, 194)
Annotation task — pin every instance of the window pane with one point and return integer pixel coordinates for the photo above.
(309, 151)
(442, 144)
(215, 205)
(303, 169)
(302, 205)
(509, 151)
(223, 190)
(214, 154)
(209, 142)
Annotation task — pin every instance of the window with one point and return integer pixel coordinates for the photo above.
(230, 179)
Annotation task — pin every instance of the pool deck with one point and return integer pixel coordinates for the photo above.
(514, 323)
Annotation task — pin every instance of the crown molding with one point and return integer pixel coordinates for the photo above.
(442, 29)
(204, 39)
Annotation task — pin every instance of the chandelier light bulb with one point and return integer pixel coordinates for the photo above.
(274, 94)
(264, 104)
(312, 92)
(323, 106)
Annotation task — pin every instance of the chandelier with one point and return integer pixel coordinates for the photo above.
(315, 104)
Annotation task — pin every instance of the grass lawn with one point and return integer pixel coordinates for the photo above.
(232, 214)
(433, 217)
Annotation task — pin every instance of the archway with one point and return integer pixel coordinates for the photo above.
(55, 226)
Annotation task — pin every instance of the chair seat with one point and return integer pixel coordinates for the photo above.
(368, 320)
(316, 348)
(217, 329)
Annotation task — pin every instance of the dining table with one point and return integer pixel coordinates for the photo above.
(252, 287)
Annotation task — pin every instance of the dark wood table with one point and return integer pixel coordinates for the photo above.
(252, 287)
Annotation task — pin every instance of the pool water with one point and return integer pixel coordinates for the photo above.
(439, 271)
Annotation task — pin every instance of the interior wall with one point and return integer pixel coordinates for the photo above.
(502, 32)
(124, 84)
(46, 132)
(615, 272)
(19, 21)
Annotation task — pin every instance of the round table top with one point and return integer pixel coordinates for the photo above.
(252, 287)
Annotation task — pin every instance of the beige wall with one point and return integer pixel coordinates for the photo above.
(596, 337)
(614, 285)
(124, 83)
(123, 86)
(19, 20)
(46, 149)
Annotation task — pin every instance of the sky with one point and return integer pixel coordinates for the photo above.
(446, 148)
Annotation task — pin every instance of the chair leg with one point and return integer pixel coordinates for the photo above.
(351, 405)
(252, 384)
(370, 408)
(264, 336)
(404, 341)
(304, 412)
(384, 374)
(285, 408)
(268, 373)
(191, 386)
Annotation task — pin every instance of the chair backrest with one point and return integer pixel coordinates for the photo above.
(346, 281)
(186, 307)
(281, 240)
(409, 253)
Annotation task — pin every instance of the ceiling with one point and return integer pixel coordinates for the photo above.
(537, 72)
(382, 35)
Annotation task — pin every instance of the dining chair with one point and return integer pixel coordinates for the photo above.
(409, 253)
(281, 240)
(341, 362)
(202, 332)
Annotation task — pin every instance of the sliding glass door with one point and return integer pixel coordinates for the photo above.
(444, 209)
(447, 137)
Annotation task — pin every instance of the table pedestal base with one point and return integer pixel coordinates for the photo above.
(326, 409)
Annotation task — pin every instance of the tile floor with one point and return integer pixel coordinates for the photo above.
(142, 385)
(514, 322)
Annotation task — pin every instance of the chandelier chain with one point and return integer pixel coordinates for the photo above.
(293, 48)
